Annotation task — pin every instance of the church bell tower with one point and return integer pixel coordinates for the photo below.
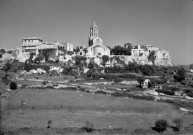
(93, 32)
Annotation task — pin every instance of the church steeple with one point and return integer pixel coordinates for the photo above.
(93, 30)
(94, 25)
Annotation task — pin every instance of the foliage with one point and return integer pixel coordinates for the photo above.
(29, 67)
(105, 59)
(2, 51)
(49, 124)
(114, 69)
(167, 92)
(140, 81)
(180, 75)
(15, 66)
(79, 60)
(31, 57)
(91, 65)
(88, 127)
(119, 50)
(76, 50)
(151, 83)
(70, 52)
(147, 70)
(178, 124)
(85, 50)
(128, 45)
(68, 70)
(161, 125)
(13, 85)
(38, 59)
(190, 94)
(5, 79)
(7, 66)
(46, 53)
(191, 66)
(151, 57)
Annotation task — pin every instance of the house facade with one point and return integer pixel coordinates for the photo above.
(36, 44)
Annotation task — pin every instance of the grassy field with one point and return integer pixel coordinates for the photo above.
(27, 111)
(70, 110)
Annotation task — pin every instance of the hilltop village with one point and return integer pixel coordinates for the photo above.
(65, 51)
(56, 88)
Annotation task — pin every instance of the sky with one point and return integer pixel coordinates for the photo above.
(167, 24)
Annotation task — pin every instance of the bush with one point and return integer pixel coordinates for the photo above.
(190, 94)
(167, 92)
(13, 85)
(68, 70)
(180, 75)
(161, 125)
(88, 127)
(49, 124)
(29, 67)
(178, 123)
(5, 79)
(45, 82)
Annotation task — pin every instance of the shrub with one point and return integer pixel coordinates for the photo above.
(29, 67)
(190, 94)
(49, 124)
(68, 70)
(44, 82)
(167, 92)
(178, 124)
(5, 79)
(180, 75)
(161, 125)
(13, 85)
(88, 127)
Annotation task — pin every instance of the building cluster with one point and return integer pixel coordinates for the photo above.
(95, 49)
(36, 45)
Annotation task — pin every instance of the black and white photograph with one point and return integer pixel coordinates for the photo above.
(96, 67)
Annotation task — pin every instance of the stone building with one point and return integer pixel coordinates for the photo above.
(95, 43)
(36, 44)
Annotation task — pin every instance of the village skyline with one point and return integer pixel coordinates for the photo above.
(165, 24)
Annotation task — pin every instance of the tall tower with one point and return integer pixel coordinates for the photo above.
(93, 33)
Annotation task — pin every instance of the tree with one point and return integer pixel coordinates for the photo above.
(151, 57)
(13, 85)
(85, 50)
(178, 123)
(128, 45)
(119, 50)
(91, 65)
(76, 50)
(146, 70)
(151, 83)
(46, 53)
(180, 75)
(30, 59)
(191, 66)
(2, 51)
(161, 125)
(79, 61)
(105, 59)
(7, 66)
(140, 81)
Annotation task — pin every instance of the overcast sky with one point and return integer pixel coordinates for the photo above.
(167, 24)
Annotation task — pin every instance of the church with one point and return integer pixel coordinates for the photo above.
(95, 43)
